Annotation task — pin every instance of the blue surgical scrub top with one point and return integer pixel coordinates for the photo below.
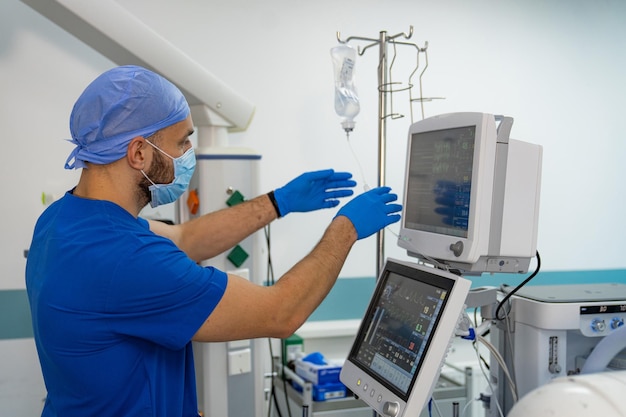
(114, 308)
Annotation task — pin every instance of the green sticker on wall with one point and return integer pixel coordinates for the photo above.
(237, 256)
(235, 199)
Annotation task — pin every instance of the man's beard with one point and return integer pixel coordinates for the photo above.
(160, 172)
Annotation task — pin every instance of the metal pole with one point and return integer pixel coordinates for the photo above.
(382, 139)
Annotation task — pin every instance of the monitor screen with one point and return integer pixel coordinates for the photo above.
(471, 194)
(439, 180)
(401, 343)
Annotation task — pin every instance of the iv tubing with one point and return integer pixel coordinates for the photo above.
(605, 351)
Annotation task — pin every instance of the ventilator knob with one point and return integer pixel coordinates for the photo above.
(391, 408)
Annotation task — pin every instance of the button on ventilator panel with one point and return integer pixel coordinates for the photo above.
(385, 404)
(596, 310)
(601, 320)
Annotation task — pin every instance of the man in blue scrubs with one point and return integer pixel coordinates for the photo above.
(116, 300)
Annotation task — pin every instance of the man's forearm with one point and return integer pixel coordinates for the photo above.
(310, 280)
(213, 233)
(249, 311)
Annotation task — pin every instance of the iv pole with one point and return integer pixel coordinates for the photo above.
(383, 92)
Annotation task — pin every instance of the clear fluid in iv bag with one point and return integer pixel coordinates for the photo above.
(346, 103)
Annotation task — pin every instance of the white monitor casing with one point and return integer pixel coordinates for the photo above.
(501, 233)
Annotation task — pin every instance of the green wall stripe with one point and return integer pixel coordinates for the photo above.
(347, 300)
(349, 297)
(15, 319)
(554, 278)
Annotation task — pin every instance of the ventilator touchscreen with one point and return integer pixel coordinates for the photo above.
(397, 354)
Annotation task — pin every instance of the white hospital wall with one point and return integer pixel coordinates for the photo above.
(555, 67)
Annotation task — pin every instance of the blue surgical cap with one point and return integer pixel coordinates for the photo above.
(119, 105)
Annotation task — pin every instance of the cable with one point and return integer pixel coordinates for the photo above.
(481, 358)
(495, 354)
(465, 407)
(271, 281)
(270, 266)
(510, 294)
(356, 159)
(269, 406)
(509, 340)
(436, 407)
(366, 186)
(493, 392)
(273, 397)
(503, 366)
(286, 396)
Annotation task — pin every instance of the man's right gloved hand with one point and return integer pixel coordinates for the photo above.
(313, 191)
(372, 211)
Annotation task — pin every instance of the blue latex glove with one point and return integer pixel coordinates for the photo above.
(316, 358)
(371, 211)
(314, 190)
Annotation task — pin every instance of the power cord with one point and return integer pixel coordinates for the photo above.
(493, 392)
(271, 281)
(512, 292)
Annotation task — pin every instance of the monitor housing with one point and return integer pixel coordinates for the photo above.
(471, 194)
(404, 337)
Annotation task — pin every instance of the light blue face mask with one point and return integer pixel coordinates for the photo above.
(183, 170)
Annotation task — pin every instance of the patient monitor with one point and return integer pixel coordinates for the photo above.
(403, 339)
(471, 194)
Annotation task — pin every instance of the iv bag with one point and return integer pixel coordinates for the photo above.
(346, 98)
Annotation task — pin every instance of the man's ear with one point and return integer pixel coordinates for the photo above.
(136, 154)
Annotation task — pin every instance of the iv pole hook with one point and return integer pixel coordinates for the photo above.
(404, 34)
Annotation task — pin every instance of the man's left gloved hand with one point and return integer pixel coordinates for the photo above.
(314, 190)
(372, 211)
